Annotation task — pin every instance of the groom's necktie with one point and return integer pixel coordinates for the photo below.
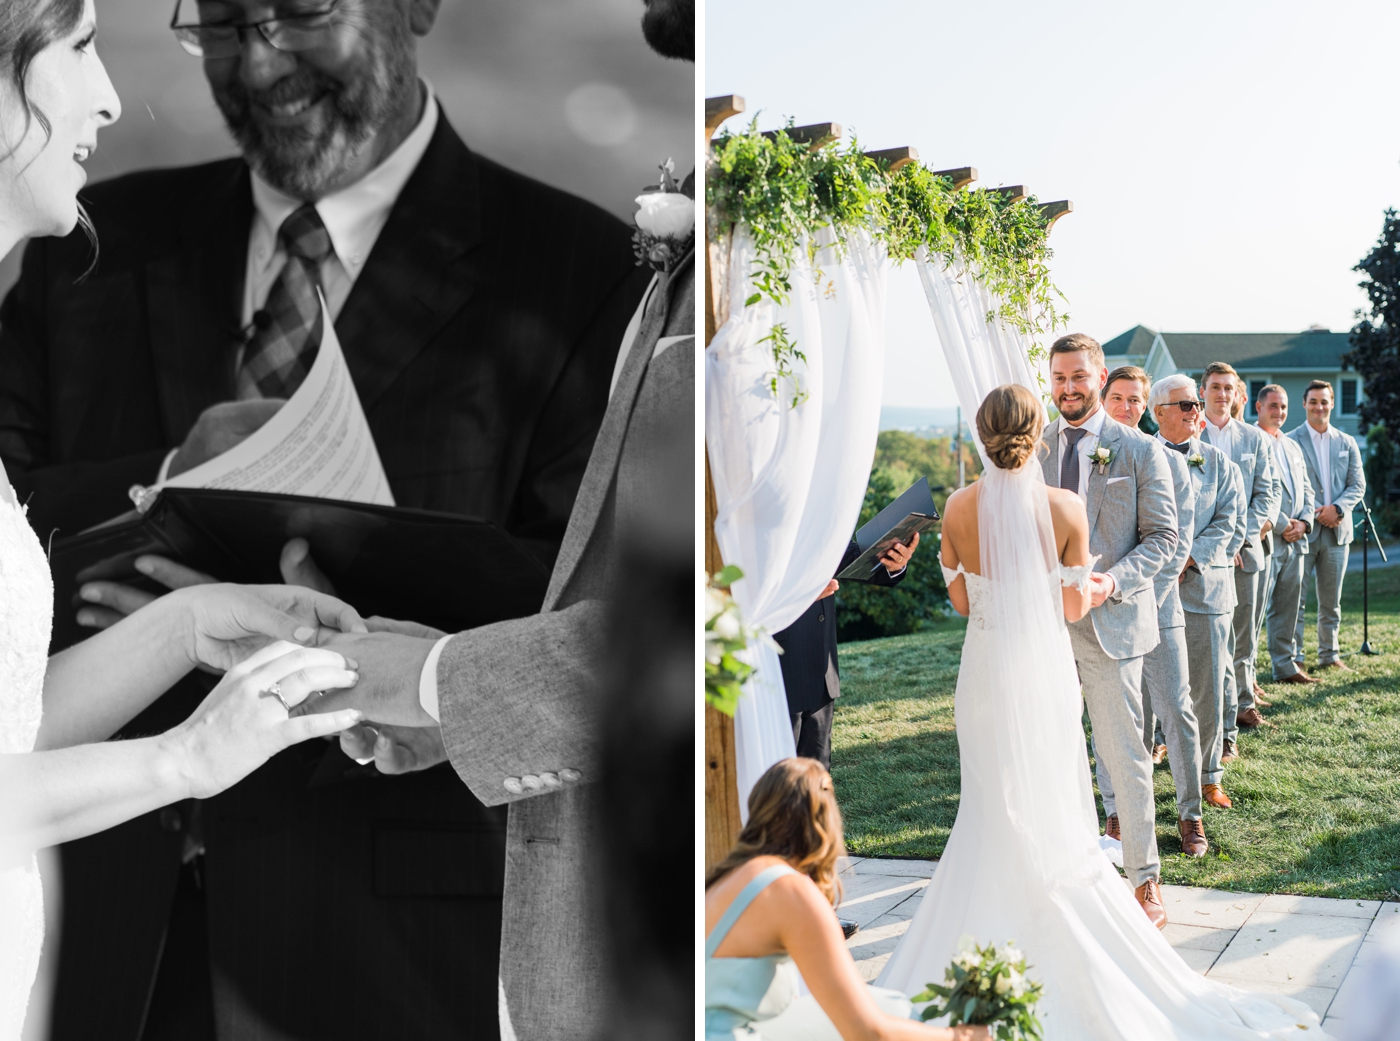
(288, 328)
(1069, 465)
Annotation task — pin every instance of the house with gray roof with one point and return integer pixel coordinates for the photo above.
(1292, 360)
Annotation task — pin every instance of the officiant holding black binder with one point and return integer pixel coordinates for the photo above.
(811, 672)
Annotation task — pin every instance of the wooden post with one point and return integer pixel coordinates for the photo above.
(1012, 192)
(1055, 210)
(896, 157)
(961, 176)
(722, 823)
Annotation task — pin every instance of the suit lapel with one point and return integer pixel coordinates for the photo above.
(412, 283)
(1108, 437)
(602, 462)
(1051, 466)
(1309, 456)
(194, 300)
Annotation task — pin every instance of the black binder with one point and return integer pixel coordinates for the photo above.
(912, 513)
(440, 569)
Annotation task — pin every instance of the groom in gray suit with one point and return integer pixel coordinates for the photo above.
(1249, 449)
(1339, 483)
(1206, 584)
(1126, 485)
(1283, 593)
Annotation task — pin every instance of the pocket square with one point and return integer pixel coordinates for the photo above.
(1115, 480)
(1246, 457)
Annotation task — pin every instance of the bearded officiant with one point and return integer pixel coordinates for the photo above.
(483, 376)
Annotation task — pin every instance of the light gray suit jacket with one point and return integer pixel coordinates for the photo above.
(1209, 588)
(1297, 505)
(1348, 479)
(518, 699)
(1169, 614)
(1132, 526)
(1253, 454)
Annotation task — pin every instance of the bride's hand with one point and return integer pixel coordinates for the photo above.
(243, 722)
(223, 624)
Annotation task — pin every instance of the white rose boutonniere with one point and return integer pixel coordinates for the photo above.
(1101, 456)
(665, 222)
(1197, 460)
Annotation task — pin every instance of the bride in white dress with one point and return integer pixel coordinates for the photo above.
(54, 784)
(1023, 860)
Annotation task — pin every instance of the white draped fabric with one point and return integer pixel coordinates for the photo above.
(789, 482)
(980, 354)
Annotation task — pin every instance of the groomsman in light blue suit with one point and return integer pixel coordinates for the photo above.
(1339, 484)
(1249, 449)
(1282, 594)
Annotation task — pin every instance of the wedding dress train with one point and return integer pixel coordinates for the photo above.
(26, 614)
(1023, 861)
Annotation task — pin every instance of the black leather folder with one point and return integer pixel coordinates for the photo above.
(910, 514)
(440, 569)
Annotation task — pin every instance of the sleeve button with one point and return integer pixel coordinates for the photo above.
(568, 776)
(551, 780)
(514, 786)
(531, 782)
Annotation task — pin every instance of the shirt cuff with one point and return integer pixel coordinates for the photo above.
(164, 473)
(427, 680)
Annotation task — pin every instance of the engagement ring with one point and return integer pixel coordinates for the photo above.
(276, 692)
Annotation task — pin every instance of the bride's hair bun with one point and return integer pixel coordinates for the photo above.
(1010, 421)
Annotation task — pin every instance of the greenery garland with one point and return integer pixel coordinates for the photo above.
(785, 192)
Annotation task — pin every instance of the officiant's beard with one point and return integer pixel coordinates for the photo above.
(669, 27)
(1091, 401)
(303, 163)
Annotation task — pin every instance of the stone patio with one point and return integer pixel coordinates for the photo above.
(1302, 946)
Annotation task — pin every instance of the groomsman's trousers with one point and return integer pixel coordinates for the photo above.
(1244, 645)
(1326, 563)
(1166, 701)
(1113, 693)
(1285, 605)
(1208, 657)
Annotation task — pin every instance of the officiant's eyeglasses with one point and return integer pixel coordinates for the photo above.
(1190, 405)
(303, 31)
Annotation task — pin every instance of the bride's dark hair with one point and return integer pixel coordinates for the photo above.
(793, 815)
(1009, 422)
(26, 28)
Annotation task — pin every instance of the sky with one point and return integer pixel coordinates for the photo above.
(1228, 163)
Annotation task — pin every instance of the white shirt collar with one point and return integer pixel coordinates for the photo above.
(1094, 424)
(356, 214)
(1319, 435)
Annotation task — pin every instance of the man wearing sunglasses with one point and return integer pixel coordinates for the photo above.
(1206, 584)
(480, 313)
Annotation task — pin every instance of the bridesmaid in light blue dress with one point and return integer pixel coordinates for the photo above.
(768, 913)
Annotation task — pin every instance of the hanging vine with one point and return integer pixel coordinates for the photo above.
(785, 193)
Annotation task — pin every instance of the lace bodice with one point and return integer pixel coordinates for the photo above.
(979, 588)
(26, 618)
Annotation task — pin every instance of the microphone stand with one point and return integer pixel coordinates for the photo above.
(1368, 529)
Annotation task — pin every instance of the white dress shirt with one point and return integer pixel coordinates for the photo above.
(1281, 458)
(1094, 425)
(1222, 438)
(1322, 448)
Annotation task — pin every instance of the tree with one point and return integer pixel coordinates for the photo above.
(1375, 340)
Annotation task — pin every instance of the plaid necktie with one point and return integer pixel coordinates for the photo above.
(283, 348)
(1069, 465)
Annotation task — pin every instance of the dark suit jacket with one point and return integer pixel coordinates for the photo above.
(481, 335)
(811, 675)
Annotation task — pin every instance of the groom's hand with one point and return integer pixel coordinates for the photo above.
(387, 692)
(394, 750)
(1100, 588)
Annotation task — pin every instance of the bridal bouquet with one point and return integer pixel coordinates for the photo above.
(986, 986)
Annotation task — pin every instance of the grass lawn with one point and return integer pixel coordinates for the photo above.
(1317, 795)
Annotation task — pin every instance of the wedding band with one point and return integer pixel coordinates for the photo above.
(276, 692)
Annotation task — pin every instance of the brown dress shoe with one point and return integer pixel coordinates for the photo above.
(1229, 752)
(1193, 838)
(1159, 753)
(1149, 898)
(1111, 828)
(1215, 795)
(1249, 718)
(1339, 666)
